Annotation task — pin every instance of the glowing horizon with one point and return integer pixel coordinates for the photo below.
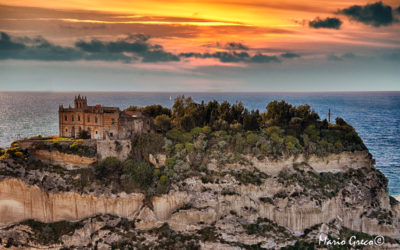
(196, 39)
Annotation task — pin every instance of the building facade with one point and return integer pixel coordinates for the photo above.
(100, 122)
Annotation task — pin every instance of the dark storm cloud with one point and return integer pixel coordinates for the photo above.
(327, 23)
(236, 46)
(134, 48)
(260, 58)
(290, 55)
(93, 46)
(230, 57)
(233, 57)
(137, 47)
(7, 44)
(136, 44)
(40, 50)
(159, 56)
(221, 56)
(133, 43)
(376, 14)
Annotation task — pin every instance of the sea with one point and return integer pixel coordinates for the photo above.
(375, 115)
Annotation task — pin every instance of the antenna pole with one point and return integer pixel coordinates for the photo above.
(329, 115)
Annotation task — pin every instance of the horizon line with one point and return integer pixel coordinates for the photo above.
(202, 92)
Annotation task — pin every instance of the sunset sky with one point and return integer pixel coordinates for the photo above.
(204, 45)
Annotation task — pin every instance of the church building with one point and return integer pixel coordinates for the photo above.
(101, 122)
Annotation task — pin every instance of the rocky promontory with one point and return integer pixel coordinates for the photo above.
(198, 188)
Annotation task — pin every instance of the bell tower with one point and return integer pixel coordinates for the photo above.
(80, 102)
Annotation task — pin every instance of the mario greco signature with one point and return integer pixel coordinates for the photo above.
(352, 241)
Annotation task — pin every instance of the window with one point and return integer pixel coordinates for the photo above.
(72, 118)
(79, 117)
(111, 134)
(66, 118)
(96, 132)
(88, 119)
(66, 130)
(112, 121)
(95, 119)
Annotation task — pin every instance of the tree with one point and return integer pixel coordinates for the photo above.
(109, 169)
(140, 174)
(155, 110)
(151, 110)
(279, 113)
(162, 122)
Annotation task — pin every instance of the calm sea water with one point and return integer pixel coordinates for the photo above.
(376, 116)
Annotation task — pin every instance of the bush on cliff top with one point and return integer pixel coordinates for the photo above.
(282, 129)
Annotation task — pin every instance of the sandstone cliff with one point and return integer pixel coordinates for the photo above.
(258, 202)
(19, 202)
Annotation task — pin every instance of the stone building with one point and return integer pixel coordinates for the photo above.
(101, 122)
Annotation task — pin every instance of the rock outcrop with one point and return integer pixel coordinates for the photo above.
(68, 161)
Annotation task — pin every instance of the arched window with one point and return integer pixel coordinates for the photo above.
(88, 119)
(72, 118)
(79, 117)
(66, 130)
(95, 119)
(66, 117)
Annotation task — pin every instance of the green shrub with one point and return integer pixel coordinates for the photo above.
(252, 139)
(157, 172)
(239, 143)
(236, 127)
(196, 131)
(179, 147)
(162, 122)
(174, 134)
(163, 180)
(146, 144)
(140, 174)
(206, 130)
(189, 147)
(50, 233)
(109, 169)
(170, 162)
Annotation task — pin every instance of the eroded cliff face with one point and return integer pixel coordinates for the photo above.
(257, 202)
(19, 202)
(329, 163)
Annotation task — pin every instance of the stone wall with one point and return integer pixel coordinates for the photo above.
(132, 126)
